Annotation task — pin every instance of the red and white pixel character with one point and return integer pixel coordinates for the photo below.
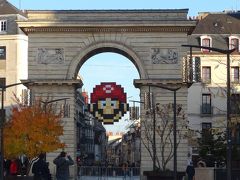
(108, 102)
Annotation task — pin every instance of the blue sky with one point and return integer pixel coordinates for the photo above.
(112, 67)
(194, 6)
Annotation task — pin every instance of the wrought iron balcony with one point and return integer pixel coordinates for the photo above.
(206, 110)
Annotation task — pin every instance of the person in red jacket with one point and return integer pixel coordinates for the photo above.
(14, 167)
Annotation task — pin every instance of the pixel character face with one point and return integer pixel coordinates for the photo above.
(108, 102)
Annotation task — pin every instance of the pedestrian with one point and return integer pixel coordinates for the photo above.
(23, 164)
(40, 169)
(62, 162)
(34, 160)
(190, 171)
(14, 167)
(7, 164)
(201, 163)
(125, 170)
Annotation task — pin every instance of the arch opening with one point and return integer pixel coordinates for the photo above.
(113, 66)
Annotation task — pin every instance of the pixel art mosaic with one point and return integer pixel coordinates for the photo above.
(108, 102)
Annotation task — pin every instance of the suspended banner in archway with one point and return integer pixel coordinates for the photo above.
(108, 102)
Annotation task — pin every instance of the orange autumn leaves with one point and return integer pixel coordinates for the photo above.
(32, 130)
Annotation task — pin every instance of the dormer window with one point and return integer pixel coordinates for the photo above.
(3, 26)
(207, 42)
(234, 43)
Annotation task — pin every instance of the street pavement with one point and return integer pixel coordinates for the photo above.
(109, 178)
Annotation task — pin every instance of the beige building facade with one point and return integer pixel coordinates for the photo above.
(13, 54)
(207, 97)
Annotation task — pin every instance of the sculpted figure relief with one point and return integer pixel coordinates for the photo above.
(164, 56)
(50, 55)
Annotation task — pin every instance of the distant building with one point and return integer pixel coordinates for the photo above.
(100, 143)
(114, 151)
(91, 135)
(13, 53)
(125, 148)
(131, 146)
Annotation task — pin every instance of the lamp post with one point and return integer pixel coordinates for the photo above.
(229, 133)
(174, 90)
(45, 103)
(2, 114)
(149, 104)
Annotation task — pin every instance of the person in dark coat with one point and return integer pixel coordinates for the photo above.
(7, 164)
(40, 169)
(190, 171)
(63, 161)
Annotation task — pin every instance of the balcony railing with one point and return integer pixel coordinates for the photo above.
(206, 80)
(206, 110)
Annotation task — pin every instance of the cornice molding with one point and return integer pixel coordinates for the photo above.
(14, 37)
(165, 83)
(49, 82)
(29, 30)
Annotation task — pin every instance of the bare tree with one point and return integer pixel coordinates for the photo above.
(163, 131)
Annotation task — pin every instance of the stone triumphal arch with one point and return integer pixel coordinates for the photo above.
(61, 41)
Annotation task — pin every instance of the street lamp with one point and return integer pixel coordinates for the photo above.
(229, 133)
(45, 103)
(2, 116)
(174, 90)
(134, 111)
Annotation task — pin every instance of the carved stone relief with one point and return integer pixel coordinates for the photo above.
(50, 56)
(164, 56)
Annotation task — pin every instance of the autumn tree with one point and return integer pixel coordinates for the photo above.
(32, 130)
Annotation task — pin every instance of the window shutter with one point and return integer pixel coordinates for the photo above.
(25, 96)
(197, 69)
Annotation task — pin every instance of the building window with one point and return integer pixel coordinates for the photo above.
(206, 126)
(236, 134)
(235, 103)
(235, 74)
(3, 82)
(206, 104)
(206, 74)
(234, 43)
(206, 129)
(207, 42)
(3, 26)
(2, 53)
